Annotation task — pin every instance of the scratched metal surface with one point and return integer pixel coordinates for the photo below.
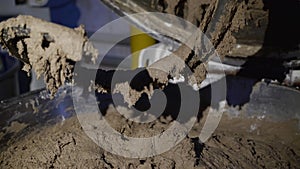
(34, 109)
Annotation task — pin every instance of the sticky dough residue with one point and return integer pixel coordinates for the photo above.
(47, 48)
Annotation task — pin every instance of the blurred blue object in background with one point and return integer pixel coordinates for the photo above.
(64, 12)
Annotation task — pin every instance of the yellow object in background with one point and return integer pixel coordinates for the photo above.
(138, 41)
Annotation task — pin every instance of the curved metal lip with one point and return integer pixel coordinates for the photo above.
(156, 25)
(159, 26)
